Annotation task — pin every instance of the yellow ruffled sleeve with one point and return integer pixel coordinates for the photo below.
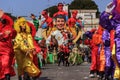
(30, 42)
(17, 41)
(27, 44)
(23, 44)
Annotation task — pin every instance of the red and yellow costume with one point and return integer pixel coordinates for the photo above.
(72, 26)
(98, 59)
(49, 25)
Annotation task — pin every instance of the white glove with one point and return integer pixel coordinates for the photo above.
(110, 7)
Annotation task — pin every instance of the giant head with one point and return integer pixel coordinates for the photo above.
(60, 6)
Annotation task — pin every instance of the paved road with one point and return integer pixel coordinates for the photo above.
(54, 72)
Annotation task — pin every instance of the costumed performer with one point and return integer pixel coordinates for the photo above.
(60, 11)
(7, 34)
(94, 36)
(35, 21)
(112, 16)
(24, 50)
(47, 24)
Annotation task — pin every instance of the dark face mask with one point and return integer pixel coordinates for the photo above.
(22, 29)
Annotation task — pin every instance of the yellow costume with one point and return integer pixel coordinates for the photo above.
(46, 33)
(74, 33)
(72, 30)
(23, 49)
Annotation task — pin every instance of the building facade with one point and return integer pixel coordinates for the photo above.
(88, 18)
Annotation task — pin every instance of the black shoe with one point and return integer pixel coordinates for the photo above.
(101, 75)
(7, 76)
(92, 75)
(92, 71)
(26, 76)
(19, 77)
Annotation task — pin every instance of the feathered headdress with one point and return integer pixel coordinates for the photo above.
(21, 22)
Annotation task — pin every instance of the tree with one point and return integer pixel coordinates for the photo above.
(52, 10)
(84, 4)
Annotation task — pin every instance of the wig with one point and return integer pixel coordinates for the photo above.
(21, 22)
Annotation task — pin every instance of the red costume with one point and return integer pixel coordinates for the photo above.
(38, 49)
(98, 57)
(48, 19)
(47, 25)
(60, 13)
(71, 22)
(73, 19)
(33, 32)
(60, 10)
(7, 33)
(94, 52)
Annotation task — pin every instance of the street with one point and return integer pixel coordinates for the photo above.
(54, 72)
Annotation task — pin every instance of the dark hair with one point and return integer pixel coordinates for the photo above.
(60, 16)
(32, 14)
(60, 4)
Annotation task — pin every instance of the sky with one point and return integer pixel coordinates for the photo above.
(26, 7)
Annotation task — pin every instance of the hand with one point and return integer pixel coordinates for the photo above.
(110, 7)
(1, 13)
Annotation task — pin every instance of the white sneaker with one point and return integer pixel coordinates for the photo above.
(91, 75)
(98, 76)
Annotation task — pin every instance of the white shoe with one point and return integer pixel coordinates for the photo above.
(98, 76)
(91, 75)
